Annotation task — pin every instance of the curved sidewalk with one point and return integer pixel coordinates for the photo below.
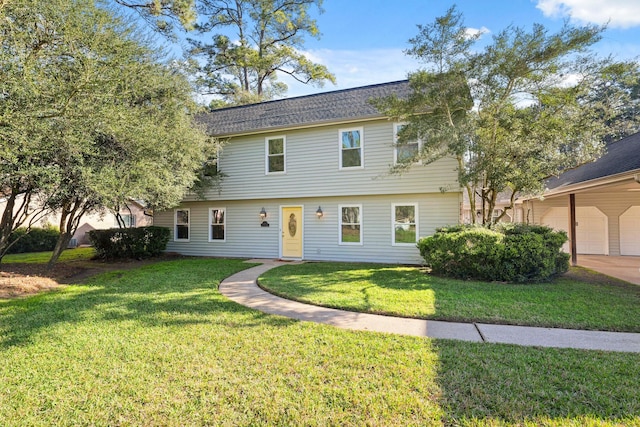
(242, 288)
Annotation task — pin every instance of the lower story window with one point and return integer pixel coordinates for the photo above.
(181, 229)
(351, 225)
(217, 224)
(405, 225)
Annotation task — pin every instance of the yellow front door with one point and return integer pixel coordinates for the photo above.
(292, 232)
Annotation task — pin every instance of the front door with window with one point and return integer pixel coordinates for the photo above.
(292, 232)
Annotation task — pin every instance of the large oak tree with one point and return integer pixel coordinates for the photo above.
(90, 116)
(530, 105)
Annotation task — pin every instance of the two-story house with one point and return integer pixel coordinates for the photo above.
(308, 178)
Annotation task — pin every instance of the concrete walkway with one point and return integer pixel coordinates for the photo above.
(243, 289)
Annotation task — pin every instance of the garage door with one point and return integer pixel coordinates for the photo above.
(591, 228)
(591, 231)
(558, 219)
(630, 231)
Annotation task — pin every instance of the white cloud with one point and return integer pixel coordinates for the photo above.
(618, 13)
(473, 32)
(356, 68)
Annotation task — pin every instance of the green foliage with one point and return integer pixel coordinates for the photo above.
(511, 253)
(91, 115)
(161, 14)
(268, 40)
(532, 253)
(129, 243)
(530, 120)
(33, 240)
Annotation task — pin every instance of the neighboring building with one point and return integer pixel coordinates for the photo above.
(503, 202)
(133, 215)
(308, 178)
(607, 201)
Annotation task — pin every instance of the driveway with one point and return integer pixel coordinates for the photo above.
(622, 267)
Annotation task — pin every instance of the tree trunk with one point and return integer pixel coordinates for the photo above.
(70, 216)
(61, 245)
(13, 217)
(471, 194)
(6, 225)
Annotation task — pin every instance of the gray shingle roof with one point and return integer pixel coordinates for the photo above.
(620, 157)
(307, 110)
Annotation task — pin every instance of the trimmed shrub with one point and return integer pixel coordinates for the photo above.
(510, 252)
(133, 243)
(36, 240)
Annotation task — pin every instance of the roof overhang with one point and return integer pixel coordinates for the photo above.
(627, 181)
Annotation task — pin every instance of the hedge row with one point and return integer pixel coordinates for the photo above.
(36, 240)
(135, 243)
(510, 253)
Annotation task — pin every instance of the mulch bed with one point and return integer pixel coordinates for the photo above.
(24, 279)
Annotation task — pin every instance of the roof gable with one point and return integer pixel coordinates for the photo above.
(336, 106)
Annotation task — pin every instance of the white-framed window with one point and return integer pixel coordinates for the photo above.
(275, 154)
(217, 225)
(129, 220)
(407, 152)
(496, 214)
(350, 224)
(404, 217)
(181, 229)
(351, 143)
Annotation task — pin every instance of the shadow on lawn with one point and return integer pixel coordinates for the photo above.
(492, 384)
(155, 295)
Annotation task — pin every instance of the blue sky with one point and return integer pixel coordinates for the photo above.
(362, 41)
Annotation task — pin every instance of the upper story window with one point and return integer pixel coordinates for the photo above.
(181, 225)
(407, 152)
(405, 224)
(217, 230)
(351, 148)
(275, 148)
(128, 220)
(350, 225)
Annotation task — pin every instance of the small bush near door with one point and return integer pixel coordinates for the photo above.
(132, 243)
(508, 252)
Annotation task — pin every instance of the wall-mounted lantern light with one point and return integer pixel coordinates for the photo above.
(319, 212)
(263, 216)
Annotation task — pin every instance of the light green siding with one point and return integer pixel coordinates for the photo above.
(247, 239)
(312, 167)
(313, 178)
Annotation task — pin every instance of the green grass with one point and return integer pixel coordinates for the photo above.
(77, 254)
(408, 291)
(159, 346)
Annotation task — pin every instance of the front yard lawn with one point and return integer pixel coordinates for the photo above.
(77, 254)
(159, 346)
(408, 291)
